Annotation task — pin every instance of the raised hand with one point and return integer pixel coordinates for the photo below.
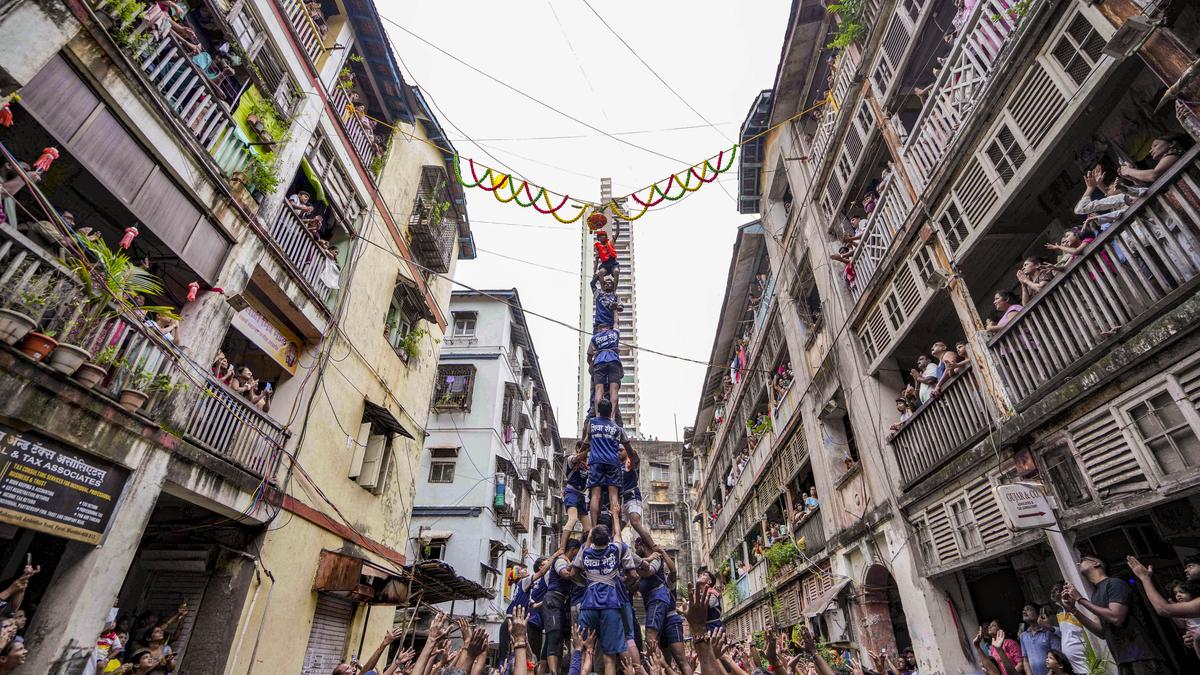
(478, 644)
(695, 610)
(518, 625)
(438, 627)
(998, 641)
(1139, 570)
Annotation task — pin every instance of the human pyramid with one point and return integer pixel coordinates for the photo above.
(595, 575)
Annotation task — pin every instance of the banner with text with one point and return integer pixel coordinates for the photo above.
(54, 490)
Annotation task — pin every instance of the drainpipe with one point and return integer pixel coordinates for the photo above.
(263, 622)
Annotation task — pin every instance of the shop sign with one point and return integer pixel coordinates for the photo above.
(268, 335)
(1025, 506)
(58, 491)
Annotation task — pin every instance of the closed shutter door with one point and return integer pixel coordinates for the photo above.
(165, 592)
(327, 639)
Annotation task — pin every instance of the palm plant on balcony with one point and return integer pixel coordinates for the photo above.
(111, 285)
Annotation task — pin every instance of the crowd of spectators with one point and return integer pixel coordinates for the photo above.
(243, 382)
(928, 378)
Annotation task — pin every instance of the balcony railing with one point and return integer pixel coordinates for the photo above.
(786, 407)
(958, 86)
(745, 481)
(356, 128)
(190, 95)
(306, 30)
(226, 425)
(812, 530)
(301, 249)
(884, 222)
(221, 422)
(846, 66)
(1121, 280)
(943, 426)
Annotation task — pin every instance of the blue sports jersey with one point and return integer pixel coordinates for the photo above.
(629, 483)
(520, 598)
(605, 345)
(602, 567)
(654, 587)
(535, 595)
(577, 477)
(602, 314)
(606, 438)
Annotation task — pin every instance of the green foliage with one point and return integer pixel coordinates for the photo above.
(279, 128)
(356, 58)
(851, 28)
(1096, 663)
(440, 204)
(138, 377)
(36, 296)
(410, 344)
(833, 657)
(781, 554)
(1016, 11)
(106, 356)
(162, 383)
(261, 175)
(112, 278)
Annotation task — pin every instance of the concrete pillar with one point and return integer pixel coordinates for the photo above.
(31, 32)
(88, 578)
(213, 632)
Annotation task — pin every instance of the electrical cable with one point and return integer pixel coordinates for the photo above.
(568, 137)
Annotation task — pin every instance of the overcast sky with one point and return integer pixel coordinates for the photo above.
(717, 54)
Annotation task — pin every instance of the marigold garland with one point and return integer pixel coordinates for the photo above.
(687, 181)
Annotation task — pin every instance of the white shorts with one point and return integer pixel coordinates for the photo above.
(631, 506)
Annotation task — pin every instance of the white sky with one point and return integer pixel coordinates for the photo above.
(717, 54)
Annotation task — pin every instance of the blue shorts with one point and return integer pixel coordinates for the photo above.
(672, 634)
(656, 614)
(714, 624)
(610, 266)
(573, 498)
(608, 625)
(602, 475)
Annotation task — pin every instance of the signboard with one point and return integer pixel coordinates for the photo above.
(57, 491)
(268, 334)
(1025, 506)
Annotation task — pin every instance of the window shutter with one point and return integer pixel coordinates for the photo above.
(992, 528)
(1105, 453)
(371, 474)
(356, 460)
(942, 534)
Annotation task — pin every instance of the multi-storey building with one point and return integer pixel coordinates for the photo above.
(629, 403)
(490, 485)
(281, 524)
(951, 144)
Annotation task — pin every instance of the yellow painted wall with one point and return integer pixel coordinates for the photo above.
(362, 364)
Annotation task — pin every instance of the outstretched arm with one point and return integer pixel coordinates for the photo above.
(388, 638)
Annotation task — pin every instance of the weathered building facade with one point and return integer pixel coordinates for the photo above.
(901, 181)
(489, 495)
(185, 136)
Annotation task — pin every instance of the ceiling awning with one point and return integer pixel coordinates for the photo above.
(408, 290)
(825, 599)
(359, 580)
(434, 581)
(384, 418)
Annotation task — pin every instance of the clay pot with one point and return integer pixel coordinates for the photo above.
(14, 325)
(37, 346)
(90, 374)
(132, 399)
(67, 358)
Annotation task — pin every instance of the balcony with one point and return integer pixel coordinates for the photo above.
(358, 128)
(1128, 275)
(190, 95)
(812, 531)
(745, 481)
(883, 224)
(308, 33)
(959, 85)
(304, 252)
(220, 421)
(226, 425)
(943, 426)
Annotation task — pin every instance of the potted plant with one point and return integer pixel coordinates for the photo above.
(135, 393)
(93, 372)
(112, 277)
(69, 355)
(38, 295)
(410, 344)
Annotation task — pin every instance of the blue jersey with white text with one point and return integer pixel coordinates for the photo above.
(606, 438)
(603, 567)
(654, 587)
(602, 314)
(605, 345)
(577, 477)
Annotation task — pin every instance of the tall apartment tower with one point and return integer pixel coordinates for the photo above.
(628, 399)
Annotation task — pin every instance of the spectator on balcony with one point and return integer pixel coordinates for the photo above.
(925, 376)
(1102, 204)
(299, 203)
(243, 381)
(317, 16)
(810, 501)
(1006, 304)
(1033, 275)
(169, 18)
(1164, 152)
(947, 365)
(905, 414)
(1073, 243)
(870, 199)
(222, 369)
